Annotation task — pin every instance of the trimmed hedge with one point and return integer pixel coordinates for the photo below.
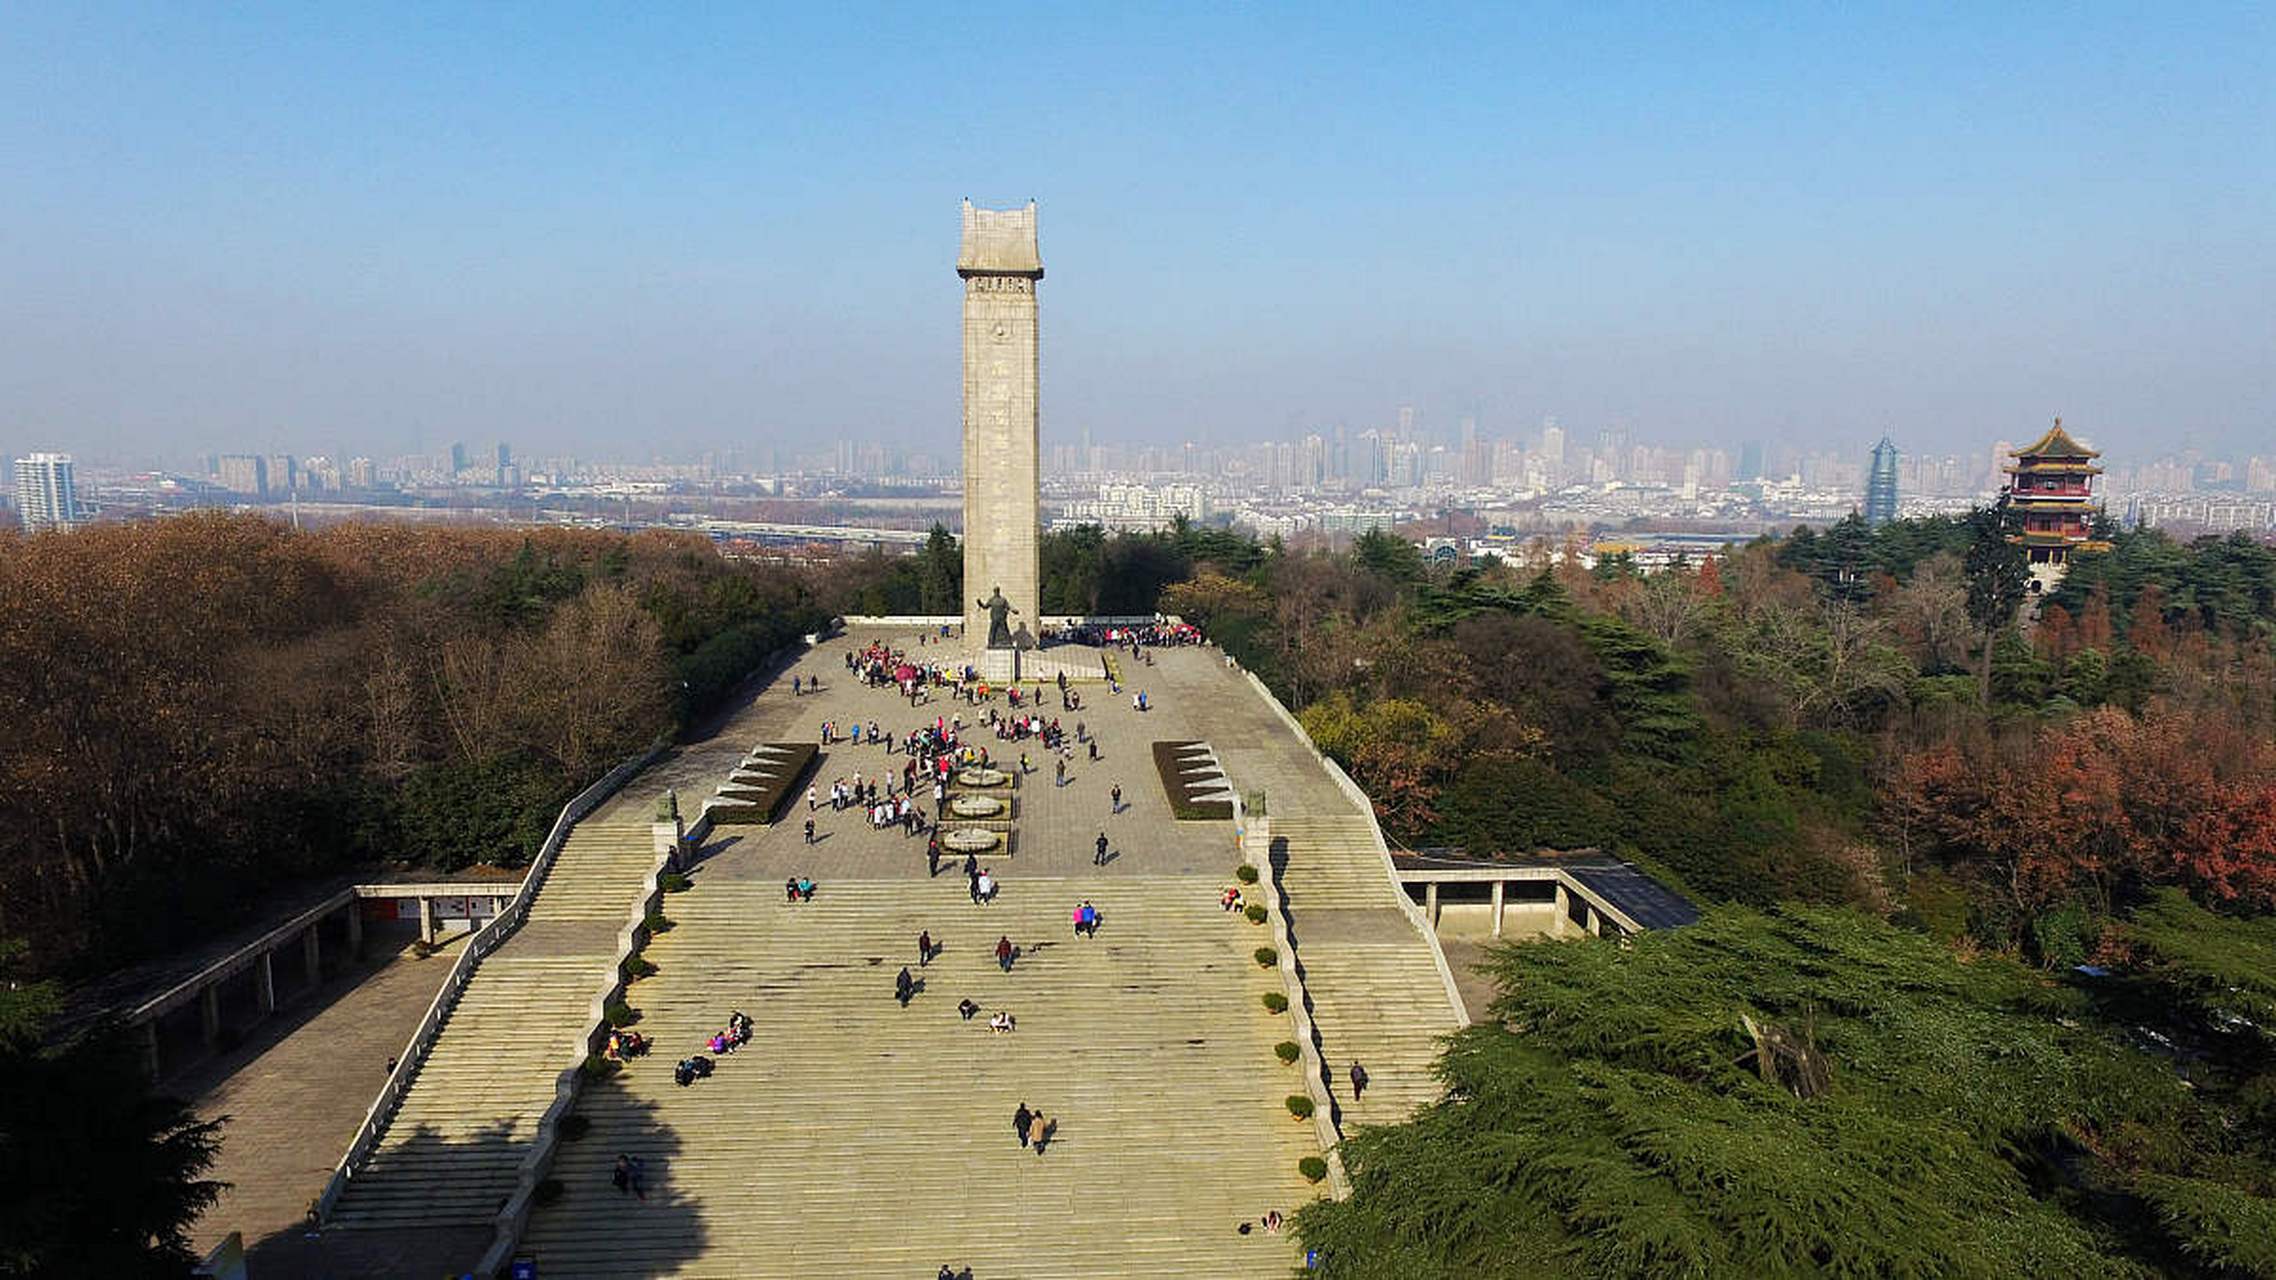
(635, 968)
(1275, 1002)
(1300, 1106)
(1245, 873)
(1313, 1168)
(1287, 1051)
(619, 1014)
(598, 1067)
(1267, 957)
(1183, 790)
(1255, 913)
(674, 882)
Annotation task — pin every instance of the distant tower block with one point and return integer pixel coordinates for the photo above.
(1002, 498)
(1881, 484)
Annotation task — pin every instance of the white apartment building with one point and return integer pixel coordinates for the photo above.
(45, 495)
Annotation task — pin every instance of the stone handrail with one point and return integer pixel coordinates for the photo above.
(513, 1217)
(481, 943)
(1366, 807)
(1256, 850)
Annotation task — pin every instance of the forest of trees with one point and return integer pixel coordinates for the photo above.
(195, 711)
(1985, 983)
(2001, 887)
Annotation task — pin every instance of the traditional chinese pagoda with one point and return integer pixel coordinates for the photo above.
(2051, 495)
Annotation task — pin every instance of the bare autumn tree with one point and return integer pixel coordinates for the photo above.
(1667, 606)
(590, 686)
(1929, 613)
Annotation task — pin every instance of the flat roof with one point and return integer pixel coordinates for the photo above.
(1622, 884)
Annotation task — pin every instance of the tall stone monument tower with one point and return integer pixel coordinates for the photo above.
(1002, 504)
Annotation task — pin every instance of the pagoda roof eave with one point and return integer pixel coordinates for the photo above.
(2057, 443)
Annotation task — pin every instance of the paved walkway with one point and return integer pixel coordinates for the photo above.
(297, 1088)
(1151, 1044)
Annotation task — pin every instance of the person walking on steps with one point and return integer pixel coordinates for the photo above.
(1038, 1132)
(924, 948)
(1020, 1120)
(904, 987)
(1116, 797)
(809, 831)
(1004, 952)
(1099, 859)
(1358, 1081)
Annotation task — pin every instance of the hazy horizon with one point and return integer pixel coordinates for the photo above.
(600, 236)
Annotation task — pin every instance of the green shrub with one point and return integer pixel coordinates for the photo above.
(597, 1067)
(1267, 957)
(1300, 1106)
(619, 1014)
(1313, 1168)
(657, 922)
(575, 1127)
(1245, 873)
(1287, 1051)
(635, 968)
(1255, 913)
(674, 882)
(1275, 1002)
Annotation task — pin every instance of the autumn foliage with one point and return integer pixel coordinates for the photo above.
(197, 711)
(2102, 805)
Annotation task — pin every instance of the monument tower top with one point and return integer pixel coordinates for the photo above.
(999, 242)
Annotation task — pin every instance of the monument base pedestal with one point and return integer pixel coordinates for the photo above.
(1000, 666)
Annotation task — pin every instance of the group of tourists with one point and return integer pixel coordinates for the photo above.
(1032, 1129)
(735, 1036)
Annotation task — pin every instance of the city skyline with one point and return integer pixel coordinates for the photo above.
(266, 232)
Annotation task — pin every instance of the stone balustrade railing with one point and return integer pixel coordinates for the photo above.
(1255, 834)
(513, 1218)
(480, 944)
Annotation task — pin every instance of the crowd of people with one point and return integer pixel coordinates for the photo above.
(930, 756)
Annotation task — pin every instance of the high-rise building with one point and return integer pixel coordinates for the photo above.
(1881, 484)
(46, 498)
(284, 473)
(457, 457)
(246, 473)
(1553, 444)
(1750, 461)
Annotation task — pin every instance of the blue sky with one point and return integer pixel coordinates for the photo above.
(323, 228)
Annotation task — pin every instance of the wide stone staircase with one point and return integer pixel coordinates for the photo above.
(450, 1154)
(1377, 995)
(854, 1137)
